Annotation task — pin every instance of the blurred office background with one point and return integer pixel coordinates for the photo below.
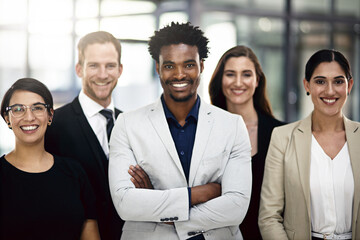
(38, 39)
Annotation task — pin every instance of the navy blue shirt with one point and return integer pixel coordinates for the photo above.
(184, 138)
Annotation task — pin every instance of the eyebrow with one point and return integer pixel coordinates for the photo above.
(230, 70)
(168, 62)
(322, 77)
(20, 104)
(171, 62)
(88, 63)
(319, 77)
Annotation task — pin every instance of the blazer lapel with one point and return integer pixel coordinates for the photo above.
(203, 129)
(302, 140)
(117, 112)
(158, 120)
(90, 135)
(353, 138)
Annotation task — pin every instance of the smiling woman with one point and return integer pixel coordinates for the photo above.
(238, 85)
(41, 196)
(311, 182)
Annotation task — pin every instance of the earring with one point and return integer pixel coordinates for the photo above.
(307, 93)
(9, 125)
(49, 123)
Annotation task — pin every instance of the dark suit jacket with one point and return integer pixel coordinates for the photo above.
(249, 226)
(70, 135)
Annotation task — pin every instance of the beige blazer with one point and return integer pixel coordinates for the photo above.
(285, 195)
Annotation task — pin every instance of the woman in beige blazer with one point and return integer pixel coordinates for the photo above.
(311, 187)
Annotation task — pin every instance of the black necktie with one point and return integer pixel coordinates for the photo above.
(108, 114)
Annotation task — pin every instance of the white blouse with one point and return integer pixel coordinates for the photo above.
(331, 190)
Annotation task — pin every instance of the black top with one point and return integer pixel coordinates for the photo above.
(249, 227)
(49, 205)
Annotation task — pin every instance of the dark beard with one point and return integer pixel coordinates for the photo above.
(184, 99)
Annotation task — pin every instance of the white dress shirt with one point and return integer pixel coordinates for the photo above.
(96, 120)
(331, 190)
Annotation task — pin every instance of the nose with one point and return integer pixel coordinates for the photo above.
(179, 73)
(103, 74)
(329, 89)
(29, 115)
(237, 80)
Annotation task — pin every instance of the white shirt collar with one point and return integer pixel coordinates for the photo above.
(90, 107)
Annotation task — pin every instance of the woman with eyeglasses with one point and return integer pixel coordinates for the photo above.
(41, 196)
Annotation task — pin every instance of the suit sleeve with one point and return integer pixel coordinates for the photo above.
(230, 208)
(272, 201)
(134, 204)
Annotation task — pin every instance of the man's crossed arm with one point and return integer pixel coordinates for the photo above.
(199, 194)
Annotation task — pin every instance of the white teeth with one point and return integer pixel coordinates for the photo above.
(100, 84)
(29, 128)
(179, 85)
(238, 91)
(329, 100)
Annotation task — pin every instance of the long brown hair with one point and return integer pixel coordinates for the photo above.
(260, 99)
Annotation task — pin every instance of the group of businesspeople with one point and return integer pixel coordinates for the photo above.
(180, 168)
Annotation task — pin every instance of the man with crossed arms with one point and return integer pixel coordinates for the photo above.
(189, 161)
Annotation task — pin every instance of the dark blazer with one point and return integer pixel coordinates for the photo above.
(70, 135)
(249, 227)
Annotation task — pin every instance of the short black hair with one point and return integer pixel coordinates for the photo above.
(177, 33)
(27, 84)
(327, 55)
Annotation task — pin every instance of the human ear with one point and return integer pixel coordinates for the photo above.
(350, 85)
(79, 70)
(201, 66)
(7, 120)
(306, 85)
(51, 115)
(157, 68)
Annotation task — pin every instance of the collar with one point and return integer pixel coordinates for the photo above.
(90, 107)
(194, 112)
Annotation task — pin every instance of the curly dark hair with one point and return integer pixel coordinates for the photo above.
(177, 33)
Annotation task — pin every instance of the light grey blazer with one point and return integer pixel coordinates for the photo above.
(221, 154)
(285, 194)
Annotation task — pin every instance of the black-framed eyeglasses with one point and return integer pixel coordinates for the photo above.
(19, 110)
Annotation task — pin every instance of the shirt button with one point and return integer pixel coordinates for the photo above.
(182, 153)
(182, 130)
